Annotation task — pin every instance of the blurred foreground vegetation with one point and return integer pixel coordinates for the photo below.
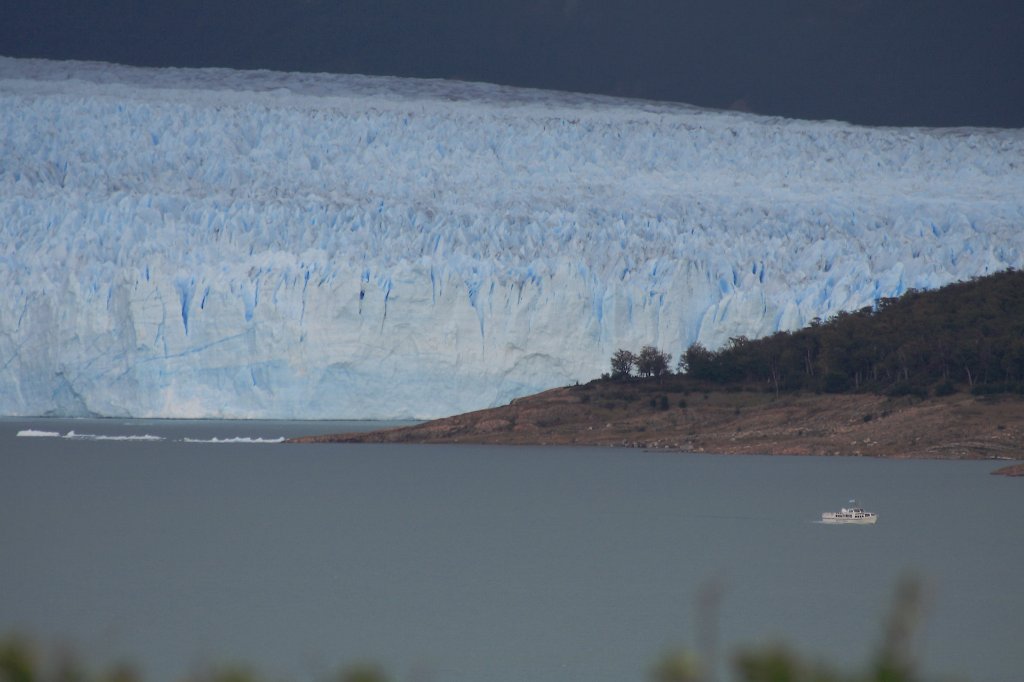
(23, 661)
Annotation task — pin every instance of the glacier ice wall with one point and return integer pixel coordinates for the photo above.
(212, 243)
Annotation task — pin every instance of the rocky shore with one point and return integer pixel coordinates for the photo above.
(645, 415)
(1012, 470)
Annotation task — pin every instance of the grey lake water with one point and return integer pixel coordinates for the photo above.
(184, 545)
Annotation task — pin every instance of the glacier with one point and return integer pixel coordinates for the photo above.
(217, 243)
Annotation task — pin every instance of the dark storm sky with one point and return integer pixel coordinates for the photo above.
(876, 62)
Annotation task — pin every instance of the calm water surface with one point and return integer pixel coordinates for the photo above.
(472, 563)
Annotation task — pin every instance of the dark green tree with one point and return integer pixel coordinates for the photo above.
(623, 362)
(651, 362)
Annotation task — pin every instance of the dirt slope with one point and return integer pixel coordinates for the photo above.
(643, 415)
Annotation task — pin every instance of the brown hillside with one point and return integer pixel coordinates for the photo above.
(647, 415)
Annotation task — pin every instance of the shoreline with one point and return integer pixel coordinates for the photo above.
(656, 417)
(1013, 471)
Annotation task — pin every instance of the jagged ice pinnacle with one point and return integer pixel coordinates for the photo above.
(215, 243)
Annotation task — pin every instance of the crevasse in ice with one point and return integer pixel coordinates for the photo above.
(215, 243)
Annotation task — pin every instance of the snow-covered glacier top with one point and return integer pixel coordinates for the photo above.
(215, 243)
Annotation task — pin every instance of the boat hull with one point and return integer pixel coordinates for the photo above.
(865, 521)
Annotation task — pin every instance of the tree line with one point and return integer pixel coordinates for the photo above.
(965, 335)
(649, 362)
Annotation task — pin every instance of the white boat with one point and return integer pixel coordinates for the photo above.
(852, 514)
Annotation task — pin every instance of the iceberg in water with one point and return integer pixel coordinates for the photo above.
(216, 243)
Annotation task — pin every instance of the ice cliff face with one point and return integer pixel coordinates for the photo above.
(250, 244)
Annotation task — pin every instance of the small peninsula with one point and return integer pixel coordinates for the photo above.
(936, 374)
(734, 422)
